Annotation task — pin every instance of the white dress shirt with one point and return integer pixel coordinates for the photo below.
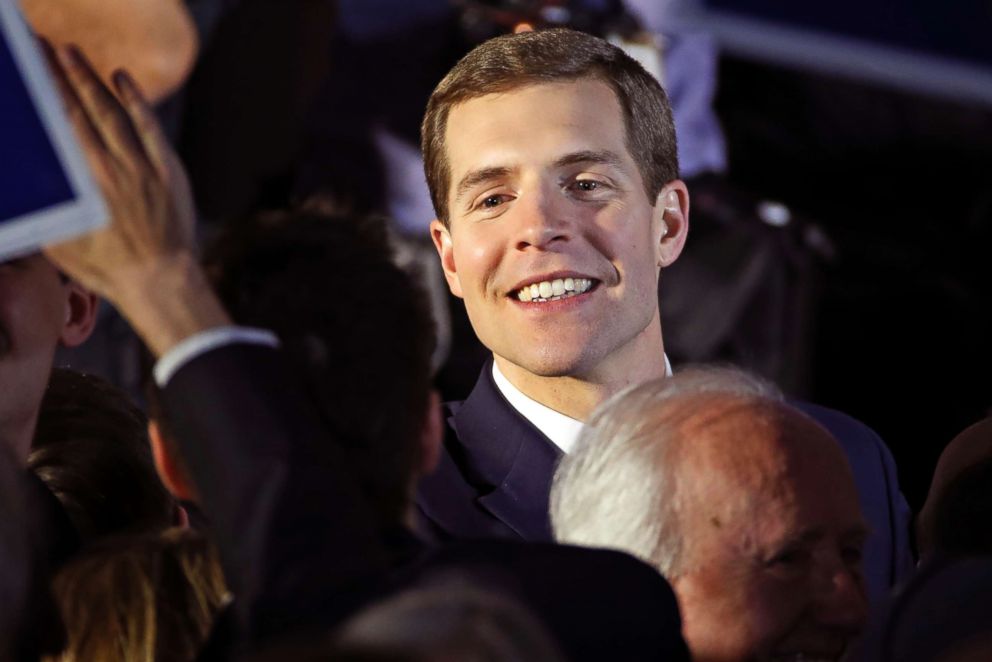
(562, 430)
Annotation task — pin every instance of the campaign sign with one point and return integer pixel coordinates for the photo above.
(46, 192)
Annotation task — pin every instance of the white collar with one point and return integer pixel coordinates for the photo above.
(562, 430)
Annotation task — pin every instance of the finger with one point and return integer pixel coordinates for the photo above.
(108, 118)
(146, 125)
(87, 135)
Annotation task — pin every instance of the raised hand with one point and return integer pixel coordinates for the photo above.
(143, 261)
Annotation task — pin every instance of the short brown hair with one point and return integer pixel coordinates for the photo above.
(514, 61)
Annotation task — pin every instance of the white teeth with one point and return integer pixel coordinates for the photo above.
(554, 289)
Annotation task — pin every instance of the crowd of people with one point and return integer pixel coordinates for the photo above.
(296, 490)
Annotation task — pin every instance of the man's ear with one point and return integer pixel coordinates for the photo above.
(442, 242)
(81, 308)
(431, 436)
(671, 221)
(168, 467)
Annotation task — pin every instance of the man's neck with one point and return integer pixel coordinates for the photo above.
(577, 396)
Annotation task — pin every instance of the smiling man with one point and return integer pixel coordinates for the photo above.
(551, 161)
(555, 239)
(556, 212)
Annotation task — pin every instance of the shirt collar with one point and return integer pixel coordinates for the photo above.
(562, 430)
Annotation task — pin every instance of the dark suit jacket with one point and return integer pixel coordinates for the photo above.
(301, 549)
(494, 479)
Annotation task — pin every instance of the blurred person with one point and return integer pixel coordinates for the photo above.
(954, 519)
(745, 504)
(446, 622)
(303, 539)
(452, 620)
(91, 450)
(140, 598)
(40, 309)
(15, 558)
(941, 614)
(155, 39)
(551, 160)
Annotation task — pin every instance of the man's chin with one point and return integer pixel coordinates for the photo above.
(550, 364)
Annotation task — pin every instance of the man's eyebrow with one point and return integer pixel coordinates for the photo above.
(859, 531)
(475, 177)
(604, 157)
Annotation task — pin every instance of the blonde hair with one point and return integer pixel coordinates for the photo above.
(149, 598)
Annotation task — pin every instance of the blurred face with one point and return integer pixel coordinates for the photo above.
(553, 244)
(772, 563)
(37, 312)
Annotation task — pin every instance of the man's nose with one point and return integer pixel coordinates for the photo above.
(840, 597)
(541, 219)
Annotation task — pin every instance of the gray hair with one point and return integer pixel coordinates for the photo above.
(616, 489)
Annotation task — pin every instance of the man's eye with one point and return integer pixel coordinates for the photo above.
(789, 557)
(492, 201)
(587, 185)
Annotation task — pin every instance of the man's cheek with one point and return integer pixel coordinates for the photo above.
(777, 609)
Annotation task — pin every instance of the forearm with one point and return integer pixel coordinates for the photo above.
(155, 39)
(169, 301)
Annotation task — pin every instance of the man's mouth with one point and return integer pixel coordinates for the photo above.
(553, 290)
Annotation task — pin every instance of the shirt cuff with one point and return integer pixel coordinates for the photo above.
(203, 342)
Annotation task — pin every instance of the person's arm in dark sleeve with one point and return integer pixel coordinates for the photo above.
(296, 537)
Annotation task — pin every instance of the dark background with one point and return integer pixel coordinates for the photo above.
(957, 29)
(902, 185)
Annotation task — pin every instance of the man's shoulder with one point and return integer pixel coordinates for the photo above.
(869, 457)
(856, 437)
(599, 604)
(493, 475)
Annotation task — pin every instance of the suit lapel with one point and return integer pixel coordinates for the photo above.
(494, 473)
(511, 454)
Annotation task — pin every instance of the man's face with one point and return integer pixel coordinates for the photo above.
(553, 244)
(773, 538)
(37, 312)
